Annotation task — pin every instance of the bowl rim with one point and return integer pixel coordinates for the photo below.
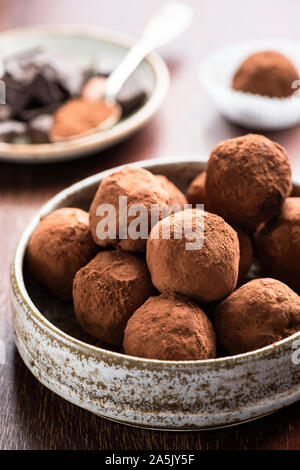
(61, 151)
(17, 279)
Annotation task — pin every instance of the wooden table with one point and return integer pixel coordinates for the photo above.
(31, 417)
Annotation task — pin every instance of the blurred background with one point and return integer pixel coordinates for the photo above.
(188, 122)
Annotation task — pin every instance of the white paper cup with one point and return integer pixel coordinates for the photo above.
(246, 109)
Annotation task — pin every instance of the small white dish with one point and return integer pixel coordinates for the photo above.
(245, 109)
(86, 44)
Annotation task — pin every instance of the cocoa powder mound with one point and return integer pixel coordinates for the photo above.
(140, 187)
(278, 245)
(257, 314)
(266, 73)
(170, 329)
(247, 180)
(77, 117)
(107, 291)
(206, 274)
(60, 245)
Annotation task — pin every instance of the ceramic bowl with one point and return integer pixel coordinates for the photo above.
(173, 395)
(85, 44)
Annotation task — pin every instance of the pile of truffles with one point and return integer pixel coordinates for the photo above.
(155, 298)
(267, 73)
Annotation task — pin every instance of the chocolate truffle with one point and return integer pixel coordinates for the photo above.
(257, 314)
(278, 245)
(196, 192)
(204, 273)
(246, 254)
(60, 245)
(170, 329)
(140, 187)
(267, 73)
(247, 180)
(107, 291)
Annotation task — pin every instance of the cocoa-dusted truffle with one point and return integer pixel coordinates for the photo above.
(266, 73)
(278, 245)
(257, 314)
(247, 180)
(140, 187)
(170, 328)
(196, 192)
(246, 254)
(107, 291)
(203, 273)
(60, 245)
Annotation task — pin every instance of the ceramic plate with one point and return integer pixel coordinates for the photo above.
(86, 45)
(173, 395)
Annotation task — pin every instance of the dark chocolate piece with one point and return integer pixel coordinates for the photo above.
(131, 96)
(29, 114)
(17, 95)
(38, 82)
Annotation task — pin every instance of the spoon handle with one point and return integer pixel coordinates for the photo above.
(170, 21)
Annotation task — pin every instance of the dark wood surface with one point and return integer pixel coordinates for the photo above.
(31, 417)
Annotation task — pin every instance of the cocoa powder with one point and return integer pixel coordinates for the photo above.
(79, 116)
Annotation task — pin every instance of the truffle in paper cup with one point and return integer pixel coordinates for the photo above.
(247, 109)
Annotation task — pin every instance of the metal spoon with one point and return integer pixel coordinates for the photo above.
(168, 23)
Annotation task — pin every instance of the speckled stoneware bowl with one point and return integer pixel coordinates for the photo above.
(184, 395)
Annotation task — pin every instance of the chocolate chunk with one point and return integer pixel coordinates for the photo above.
(38, 82)
(17, 94)
(133, 93)
(47, 90)
(29, 114)
(131, 96)
(69, 73)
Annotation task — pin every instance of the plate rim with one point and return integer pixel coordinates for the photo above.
(77, 148)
